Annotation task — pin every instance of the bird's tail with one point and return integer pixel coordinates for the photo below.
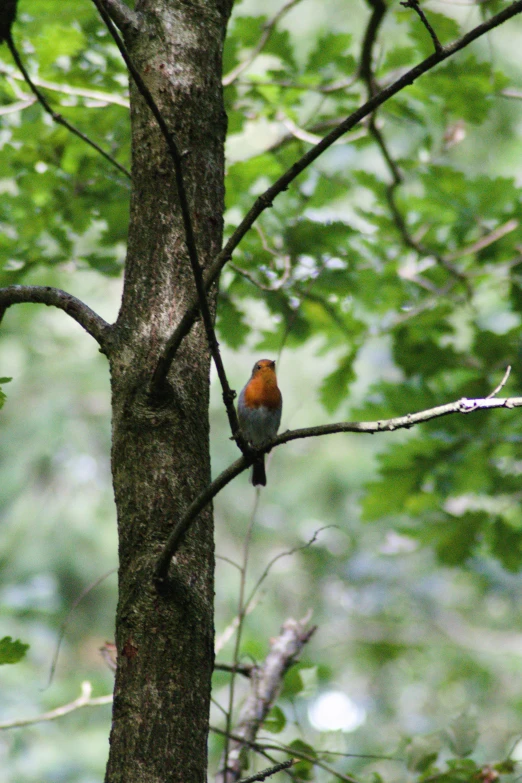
(258, 472)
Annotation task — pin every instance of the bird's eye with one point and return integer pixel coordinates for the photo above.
(258, 366)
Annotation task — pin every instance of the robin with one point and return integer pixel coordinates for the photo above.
(259, 412)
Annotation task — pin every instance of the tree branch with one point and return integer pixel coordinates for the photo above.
(265, 684)
(266, 199)
(123, 17)
(159, 379)
(368, 427)
(400, 223)
(267, 28)
(414, 4)
(262, 747)
(54, 297)
(366, 61)
(66, 89)
(266, 773)
(58, 117)
(245, 670)
(83, 700)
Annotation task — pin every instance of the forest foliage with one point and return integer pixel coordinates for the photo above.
(386, 280)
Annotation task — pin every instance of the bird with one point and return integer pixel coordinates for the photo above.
(259, 412)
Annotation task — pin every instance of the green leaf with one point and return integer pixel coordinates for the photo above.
(231, 324)
(462, 734)
(12, 651)
(422, 751)
(304, 768)
(2, 394)
(334, 388)
(275, 721)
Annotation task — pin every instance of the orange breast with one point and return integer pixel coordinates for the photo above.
(262, 390)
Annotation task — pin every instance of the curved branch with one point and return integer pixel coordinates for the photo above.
(55, 297)
(267, 28)
(370, 36)
(84, 700)
(55, 115)
(368, 427)
(266, 199)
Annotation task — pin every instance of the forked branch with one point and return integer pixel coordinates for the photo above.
(40, 97)
(266, 199)
(265, 683)
(55, 297)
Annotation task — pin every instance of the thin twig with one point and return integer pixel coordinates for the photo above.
(261, 747)
(463, 406)
(229, 631)
(18, 106)
(414, 4)
(54, 297)
(65, 623)
(485, 241)
(267, 28)
(241, 613)
(300, 754)
(58, 117)
(501, 384)
(66, 89)
(265, 200)
(84, 700)
(370, 37)
(252, 745)
(246, 671)
(266, 773)
(288, 553)
(400, 223)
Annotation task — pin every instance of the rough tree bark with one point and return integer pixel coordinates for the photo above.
(160, 456)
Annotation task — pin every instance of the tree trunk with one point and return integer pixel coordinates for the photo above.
(160, 455)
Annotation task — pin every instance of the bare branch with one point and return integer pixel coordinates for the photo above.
(55, 297)
(414, 4)
(485, 241)
(266, 773)
(241, 614)
(83, 700)
(246, 671)
(299, 754)
(368, 427)
(66, 89)
(123, 17)
(65, 623)
(266, 199)
(400, 223)
(501, 384)
(266, 682)
(253, 745)
(372, 29)
(267, 28)
(18, 106)
(183, 524)
(261, 747)
(58, 117)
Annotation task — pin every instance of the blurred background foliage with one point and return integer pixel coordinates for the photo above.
(386, 280)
